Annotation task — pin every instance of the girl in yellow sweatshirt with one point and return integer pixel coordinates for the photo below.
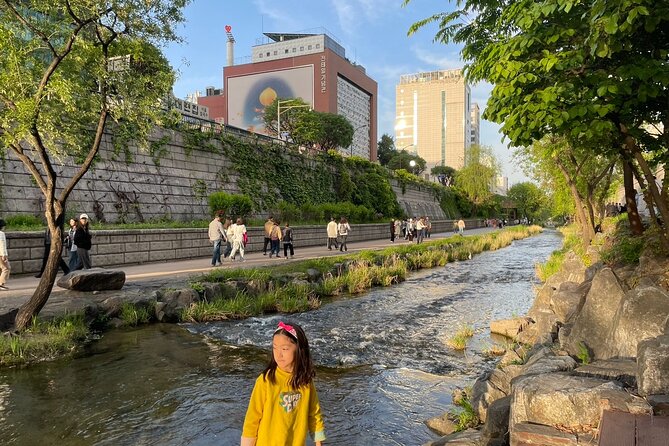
(284, 404)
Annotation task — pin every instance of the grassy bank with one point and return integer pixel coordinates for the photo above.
(44, 340)
(273, 289)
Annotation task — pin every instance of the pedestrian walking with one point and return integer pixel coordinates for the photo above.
(343, 229)
(428, 227)
(332, 234)
(83, 240)
(275, 240)
(216, 236)
(227, 240)
(392, 231)
(269, 224)
(398, 228)
(238, 230)
(73, 263)
(4, 258)
(420, 230)
(288, 241)
(461, 226)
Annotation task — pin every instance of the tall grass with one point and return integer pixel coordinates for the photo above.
(460, 339)
(44, 340)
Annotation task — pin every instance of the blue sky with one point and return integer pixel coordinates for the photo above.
(373, 32)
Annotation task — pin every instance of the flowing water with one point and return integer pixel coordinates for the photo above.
(383, 367)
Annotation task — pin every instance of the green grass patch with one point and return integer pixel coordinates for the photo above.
(465, 417)
(134, 315)
(44, 341)
(460, 339)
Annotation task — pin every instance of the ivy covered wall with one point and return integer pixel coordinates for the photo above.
(173, 179)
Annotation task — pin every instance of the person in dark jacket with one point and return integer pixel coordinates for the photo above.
(45, 257)
(82, 238)
(288, 241)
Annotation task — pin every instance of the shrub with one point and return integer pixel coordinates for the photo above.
(24, 222)
(232, 205)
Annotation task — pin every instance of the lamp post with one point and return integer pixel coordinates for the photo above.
(287, 102)
(355, 130)
(412, 164)
(402, 150)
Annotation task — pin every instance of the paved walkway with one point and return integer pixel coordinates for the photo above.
(151, 276)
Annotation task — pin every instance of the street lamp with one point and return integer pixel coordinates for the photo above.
(279, 103)
(402, 150)
(412, 164)
(355, 130)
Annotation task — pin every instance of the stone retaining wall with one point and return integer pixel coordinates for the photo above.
(173, 186)
(137, 246)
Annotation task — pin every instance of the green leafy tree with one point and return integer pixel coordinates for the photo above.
(403, 159)
(69, 70)
(530, 201)
(386, 149)
(591, 71)
(292, 109)
(477, 177)
(327, 131)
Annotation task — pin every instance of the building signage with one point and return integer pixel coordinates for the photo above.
(324, 81)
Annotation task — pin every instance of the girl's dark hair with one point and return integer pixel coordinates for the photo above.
(303, 368)
(2, 223)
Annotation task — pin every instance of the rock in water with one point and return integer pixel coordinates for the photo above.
(94, 279)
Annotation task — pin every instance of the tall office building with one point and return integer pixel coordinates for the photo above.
(433, 116)
(476, 125)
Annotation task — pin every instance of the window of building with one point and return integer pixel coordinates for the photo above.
(294, 49)
(309, 47)
(301, 48)
(318, 45)
(275, 52)
(268, 54)
(260, 55)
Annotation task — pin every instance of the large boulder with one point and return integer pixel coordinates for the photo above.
(537, 434)
(510, 327)
(496, 428)
(172, 303)
(593, 323)
(94, 279)
(623, 370)
(470, 437)
(643, 314)
(442, 425)
(567, 301)
(653, 366)
(490, 387)
(573, 403)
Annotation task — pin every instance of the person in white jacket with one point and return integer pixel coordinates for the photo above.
(238, 230)
(4, 258)
(332, 234)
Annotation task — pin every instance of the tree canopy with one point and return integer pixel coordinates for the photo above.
(530, 201)
(592, 72)
(403, 159)
(386, 149)
(477, 178)
(68, 69)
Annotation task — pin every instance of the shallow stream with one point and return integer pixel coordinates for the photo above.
(383, 367)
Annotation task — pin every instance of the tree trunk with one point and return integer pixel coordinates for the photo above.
(43, 290)
(662, 205)
(587, 230)
(630, 199)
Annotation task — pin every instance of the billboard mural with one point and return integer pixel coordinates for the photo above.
(249, 95)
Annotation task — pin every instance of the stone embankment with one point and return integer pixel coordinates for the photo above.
(596, 339)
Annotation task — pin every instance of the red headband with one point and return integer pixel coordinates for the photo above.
(289, 328)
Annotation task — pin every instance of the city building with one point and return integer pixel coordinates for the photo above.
(310, 66)
(434, 117)
(476, 125)
(501, 186)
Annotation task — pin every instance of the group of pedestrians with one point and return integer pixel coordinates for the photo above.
(338, 234)
(77, 242)
(228, 239)
(274, 235)
(417, 228)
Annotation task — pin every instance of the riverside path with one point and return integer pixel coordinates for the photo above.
(148, 277)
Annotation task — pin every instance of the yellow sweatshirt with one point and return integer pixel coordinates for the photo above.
(280, 416)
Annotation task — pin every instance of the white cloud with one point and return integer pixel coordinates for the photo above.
(280, 17)
(437, 59)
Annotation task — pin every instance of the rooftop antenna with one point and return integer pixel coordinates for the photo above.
(230, 45)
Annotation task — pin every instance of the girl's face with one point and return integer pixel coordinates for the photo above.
(284, 351)
(72, 222)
